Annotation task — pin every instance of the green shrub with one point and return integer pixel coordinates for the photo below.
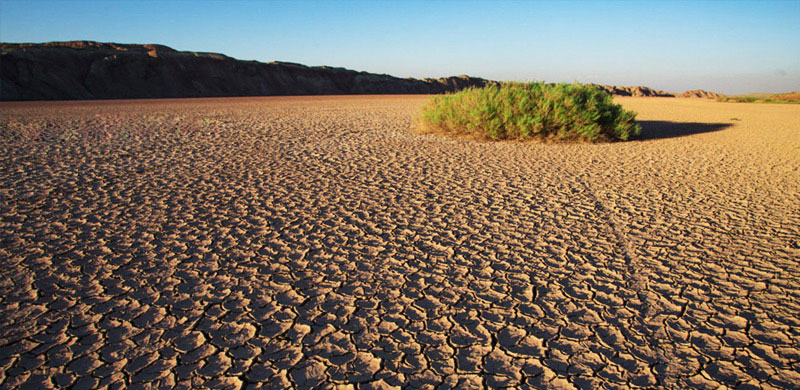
(791, 97)
(739, 99)
(522, 111)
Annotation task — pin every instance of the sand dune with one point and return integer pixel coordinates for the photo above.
(305, 241)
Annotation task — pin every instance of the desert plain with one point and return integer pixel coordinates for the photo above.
(301, 242)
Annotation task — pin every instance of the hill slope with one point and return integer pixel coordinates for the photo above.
(94, 70)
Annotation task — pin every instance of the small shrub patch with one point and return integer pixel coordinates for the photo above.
(790, 97)
(525, 111)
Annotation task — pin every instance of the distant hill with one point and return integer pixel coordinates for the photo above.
(789, 97)
(633, 91)
(96, 70)
(699, 93)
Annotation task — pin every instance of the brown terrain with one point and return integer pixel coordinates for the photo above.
(319, 241)
(699, 93)
(638, 91)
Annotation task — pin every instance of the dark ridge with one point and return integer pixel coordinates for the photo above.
(97, 70)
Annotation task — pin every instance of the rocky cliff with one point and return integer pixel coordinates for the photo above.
(94, 70)
(633, 91)
(699, 93)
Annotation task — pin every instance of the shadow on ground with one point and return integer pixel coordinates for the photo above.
(666, 129)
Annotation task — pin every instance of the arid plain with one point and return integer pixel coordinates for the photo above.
(320, 241)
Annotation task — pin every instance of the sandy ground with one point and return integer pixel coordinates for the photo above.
(300, 242)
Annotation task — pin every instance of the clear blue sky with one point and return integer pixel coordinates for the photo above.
(728, 47)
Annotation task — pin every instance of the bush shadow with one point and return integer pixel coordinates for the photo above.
(664, 129)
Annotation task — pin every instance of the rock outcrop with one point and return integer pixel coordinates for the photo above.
(95, 70)
(633, 91)
(699, 93)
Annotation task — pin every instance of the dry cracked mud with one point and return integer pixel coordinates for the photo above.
(319, 242)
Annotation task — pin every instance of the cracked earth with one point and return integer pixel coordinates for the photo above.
(319, 242)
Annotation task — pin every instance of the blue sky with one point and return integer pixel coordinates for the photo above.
(728, 47)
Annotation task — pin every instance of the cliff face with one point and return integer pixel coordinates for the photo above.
(633, 91)
(93, 70)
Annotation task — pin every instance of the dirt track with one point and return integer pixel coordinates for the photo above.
(315, 241)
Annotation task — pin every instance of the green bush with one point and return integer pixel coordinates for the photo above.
(739, 99)
(523, 111)
(791, 97)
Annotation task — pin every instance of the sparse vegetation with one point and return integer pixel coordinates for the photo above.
(791, 97)
(524, 111)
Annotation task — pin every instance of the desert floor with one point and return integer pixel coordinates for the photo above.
(315, 241)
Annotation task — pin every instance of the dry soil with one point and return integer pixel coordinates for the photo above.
(319, 241)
